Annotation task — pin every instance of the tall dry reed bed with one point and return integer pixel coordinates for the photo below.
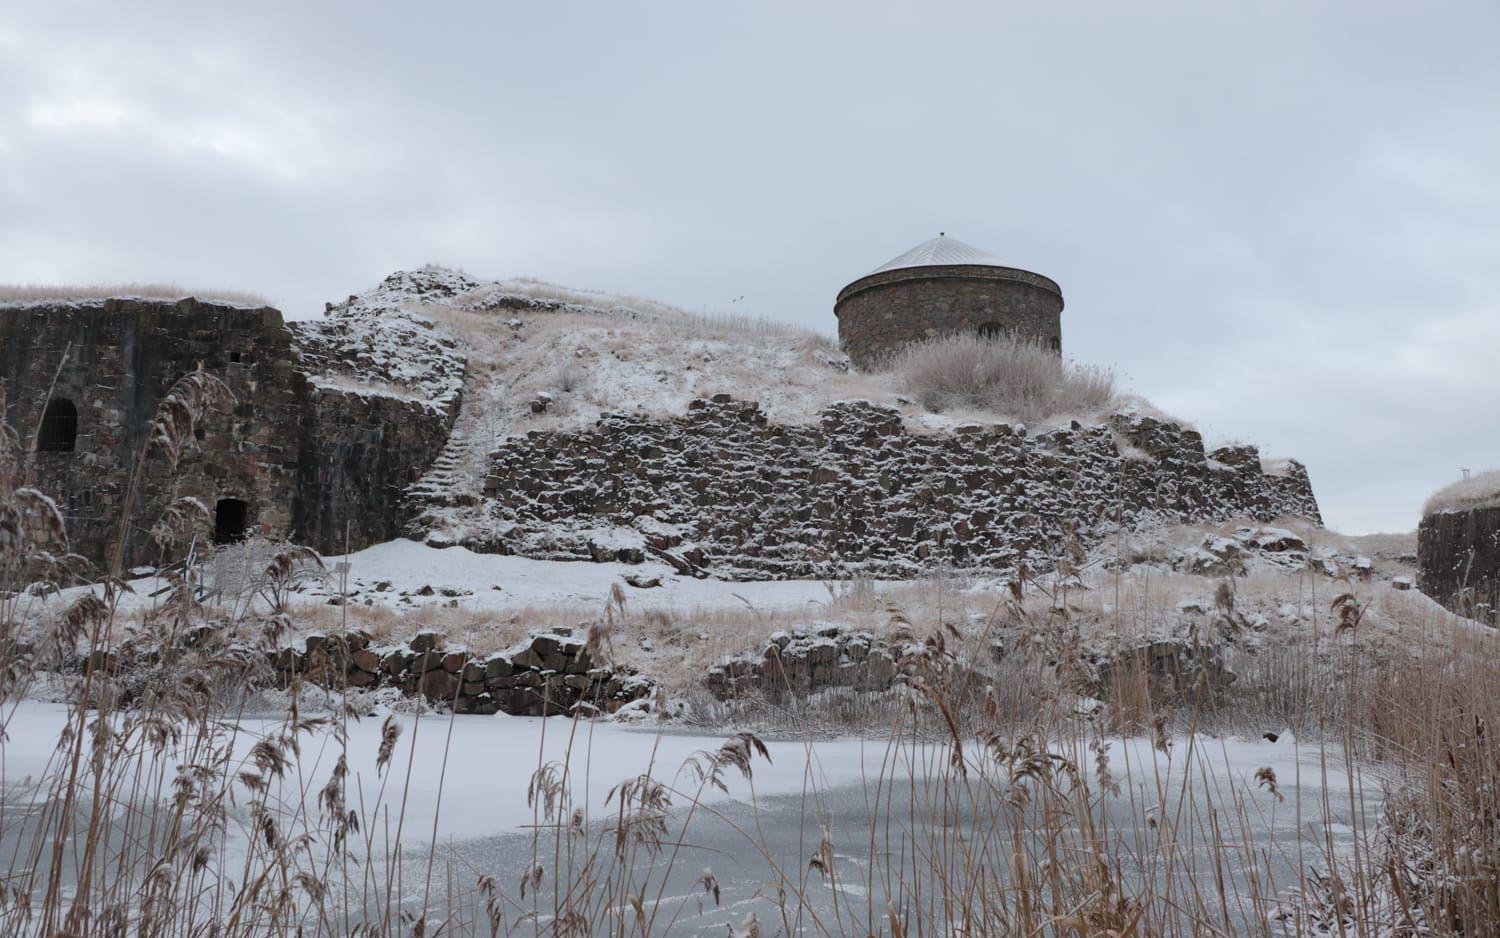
(995, 809)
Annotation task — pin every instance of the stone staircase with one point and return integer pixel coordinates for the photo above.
(450, 482)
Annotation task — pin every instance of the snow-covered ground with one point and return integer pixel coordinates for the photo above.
(493, 581)
(673, 624)
(404, 576)
(590, 351)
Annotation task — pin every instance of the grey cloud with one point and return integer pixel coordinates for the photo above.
(1276, 220)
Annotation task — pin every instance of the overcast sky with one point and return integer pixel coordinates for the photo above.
(1279, 221)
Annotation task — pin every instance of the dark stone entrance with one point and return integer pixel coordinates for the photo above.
(59, 430)
(231, 518)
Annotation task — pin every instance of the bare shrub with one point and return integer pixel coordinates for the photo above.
(258, 568)
(569, 378)
(1014, 376)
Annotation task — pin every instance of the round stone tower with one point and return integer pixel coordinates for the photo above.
(940, 287)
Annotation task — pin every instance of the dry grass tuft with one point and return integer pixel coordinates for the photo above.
(704, 324)
(1007, 375)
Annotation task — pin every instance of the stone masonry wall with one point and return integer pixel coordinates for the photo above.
(304, 458)
(878, 315)
(359, 454)
(721, 488)
(115, 360)
(1458, 561)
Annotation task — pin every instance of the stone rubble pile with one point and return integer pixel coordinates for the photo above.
(371, 338)
(802, 661)
(1174, 669)
(549, 673)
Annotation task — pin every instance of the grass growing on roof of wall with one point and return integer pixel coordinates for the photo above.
(1480, 491)
(701, 324)
(1010, 375)
(62, 293)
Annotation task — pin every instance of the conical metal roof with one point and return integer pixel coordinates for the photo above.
(941, 251)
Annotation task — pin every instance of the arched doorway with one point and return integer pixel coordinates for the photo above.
(231, 518)
(59, 430)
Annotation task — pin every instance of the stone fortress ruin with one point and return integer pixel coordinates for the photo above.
(941, 287)
(298, 454)
(365, 425)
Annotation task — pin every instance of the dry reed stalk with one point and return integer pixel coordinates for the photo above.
(990, 810)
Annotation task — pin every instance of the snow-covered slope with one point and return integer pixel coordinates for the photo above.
(379, 342)
(507, 357)
(525, 355)
(544, 356)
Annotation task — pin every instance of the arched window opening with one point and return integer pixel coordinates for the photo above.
(231, 519)
(992, 330)
(59, 432)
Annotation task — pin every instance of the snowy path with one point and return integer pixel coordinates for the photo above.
(408, 565)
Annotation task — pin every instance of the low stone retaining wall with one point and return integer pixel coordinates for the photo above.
(547, 674)
(799, 662)
(802, 662)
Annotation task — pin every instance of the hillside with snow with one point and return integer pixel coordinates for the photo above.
(542, 356)
(505, 358)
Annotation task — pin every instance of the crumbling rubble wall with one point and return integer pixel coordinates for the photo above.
(547, 674)
(722, 488)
